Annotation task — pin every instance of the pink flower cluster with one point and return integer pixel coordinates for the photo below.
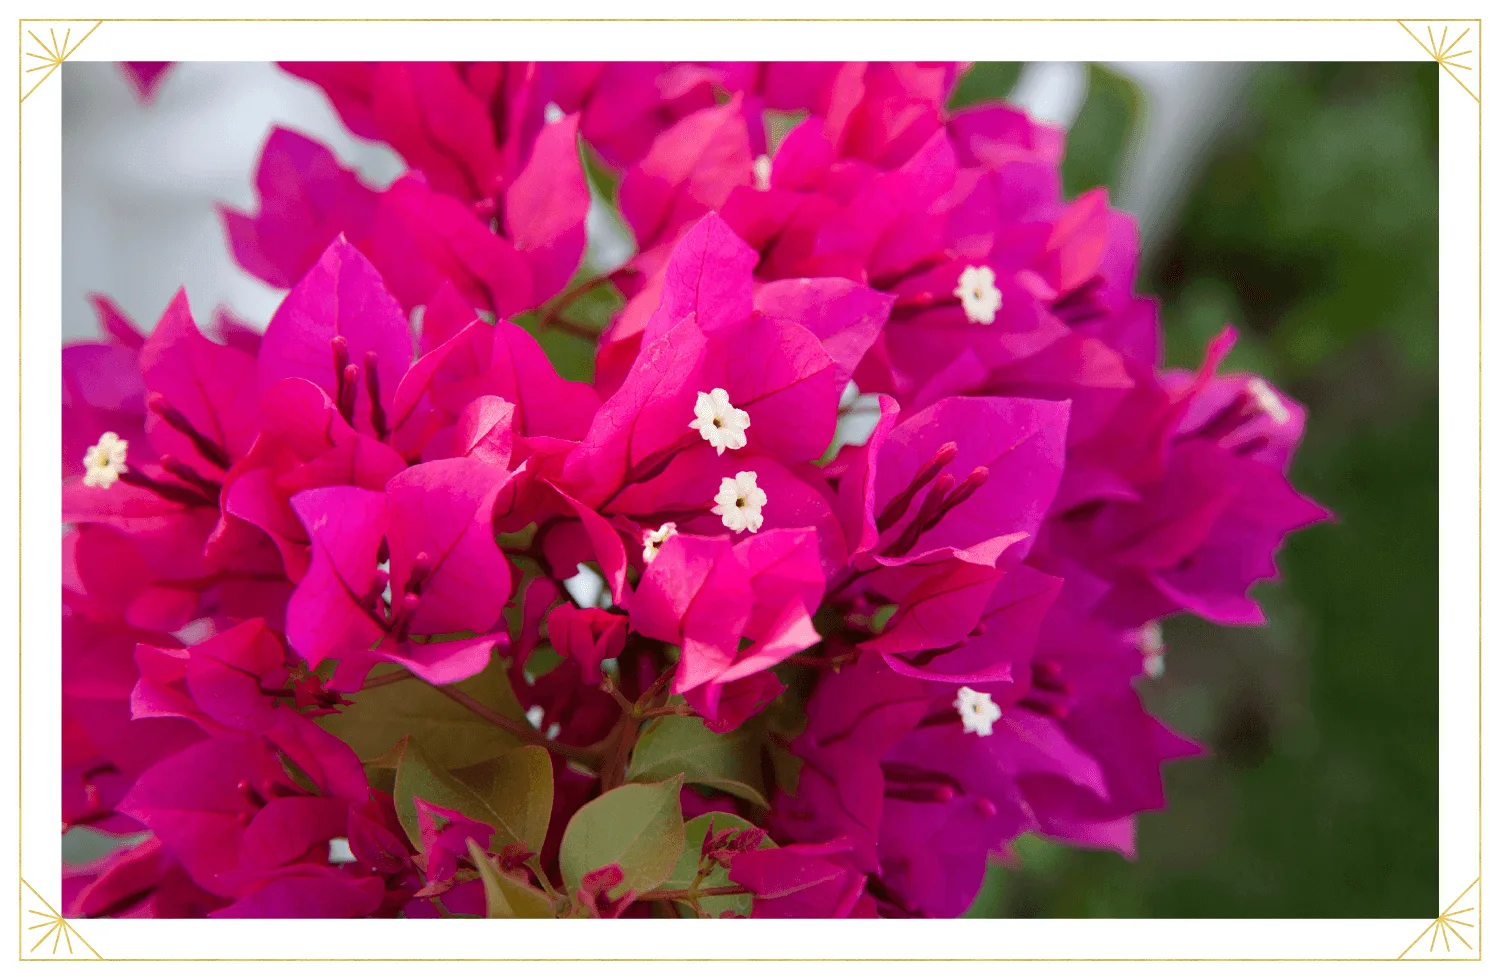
(880, 485)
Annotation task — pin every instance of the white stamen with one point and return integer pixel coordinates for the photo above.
(534, 715)
(552, 113)
(719, 422)
(652, 541)
(1153, 650)
(1267, 401)
(761, 170)
(739, 502)
(978, 294)
(978, 713)
(105, 461)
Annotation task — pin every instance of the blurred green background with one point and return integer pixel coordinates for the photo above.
(1313, 227)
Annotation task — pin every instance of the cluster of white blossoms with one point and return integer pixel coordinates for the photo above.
(105, 461)
(977, 293)
(651, 541)
(739, 501)
(978, 713)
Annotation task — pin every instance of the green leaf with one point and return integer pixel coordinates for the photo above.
(418, 778)
(517, 786)
(451, 734)
(686, 869)
(506, 897)
(638, 826)
(984, 82)
(730, 762)
(1098, 138)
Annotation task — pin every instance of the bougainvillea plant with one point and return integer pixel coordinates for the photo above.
(835, 578)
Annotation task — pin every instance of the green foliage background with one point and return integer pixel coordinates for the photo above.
(1314, 229)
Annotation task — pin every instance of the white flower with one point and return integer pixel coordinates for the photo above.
(739, 502)
(1153, 650)
(1267, 401)
(721, 423)
(978, 294)
(552, 113)
(977, 711)
(652, 540)
(761, 170)
(105, 461)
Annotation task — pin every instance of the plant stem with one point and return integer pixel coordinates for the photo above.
(690, 894)
(393, 677)
(524, 732)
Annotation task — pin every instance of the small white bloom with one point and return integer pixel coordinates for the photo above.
(1153, 650)
(977, 711)
(552, 113)
(978, 294)
(739, 502)
(761, 169)
(105, 461)
(1267, 401)
(719, 422)
(338, 851)
(652, 541)
(534, 715)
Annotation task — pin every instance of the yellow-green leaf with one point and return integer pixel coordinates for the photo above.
(517, 786)
(638, 826)
(686, 869)
(452, 735)
(677, 745)
(515, 819)
(506, 897)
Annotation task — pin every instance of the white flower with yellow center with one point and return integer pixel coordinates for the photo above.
(720, 423)
(739, 502)
(761, 170)
(105, 461)
(978, 713)
(1267, 400)
(978, 294)
(652, 541)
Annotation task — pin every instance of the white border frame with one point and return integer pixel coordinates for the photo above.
(1281, 36)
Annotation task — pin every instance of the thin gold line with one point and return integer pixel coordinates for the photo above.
(20, 426)
(61, 57)
(1456, 41)
(20, 487)
(39, 942)
(60, 918)
(751, 20)
(1434, 54)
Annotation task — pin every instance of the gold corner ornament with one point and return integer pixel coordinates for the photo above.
(49, 934)
(1452, 55)
(1451, 933)
(48, 57)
